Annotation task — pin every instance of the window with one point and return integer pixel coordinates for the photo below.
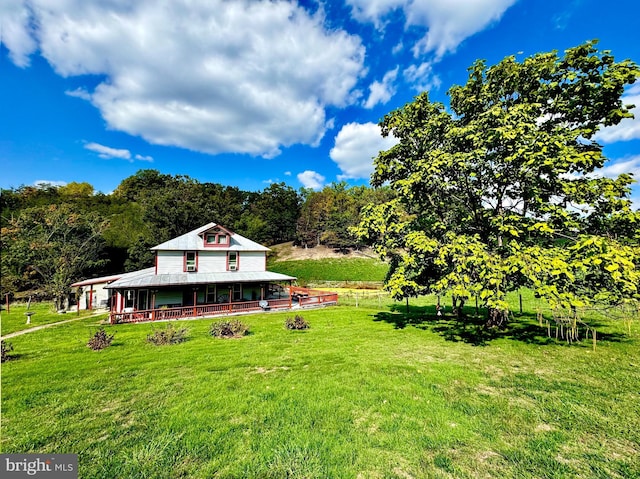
(232, 261)
(237, 292)
(211, 294)
(191, 261)
(216, 239)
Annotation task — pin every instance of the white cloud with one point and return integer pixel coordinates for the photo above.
(287, 173)
(422, 77)
(207, 75)
(381, 92)
(311, 179)
(628, 128)
(14, 26)
(355, 147)
(44, 183)
(79, 93)
(617, 167)
(107, 152)
(144, 158)
(447, 22)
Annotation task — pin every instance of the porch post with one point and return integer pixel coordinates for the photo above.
(230, 298)
(195, 299)
(91, 298)
(153, 305)
(289, 294)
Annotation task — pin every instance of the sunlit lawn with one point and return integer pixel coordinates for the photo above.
(362, 394)
(43, 313)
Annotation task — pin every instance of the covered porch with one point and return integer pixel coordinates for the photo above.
(276, 299)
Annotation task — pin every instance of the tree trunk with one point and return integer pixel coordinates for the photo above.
(497, 318)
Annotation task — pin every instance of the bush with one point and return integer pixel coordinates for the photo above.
(5, 349)
(100, 340)
(229, 329)
(297, 323)
(168, 335)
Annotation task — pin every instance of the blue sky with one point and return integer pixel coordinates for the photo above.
(246, 93)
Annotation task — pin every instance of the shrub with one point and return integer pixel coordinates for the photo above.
(100, 340)
(5, 349)
(296, 323)
(228, 329)
(168, 335)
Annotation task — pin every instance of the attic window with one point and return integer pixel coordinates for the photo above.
(216, 239)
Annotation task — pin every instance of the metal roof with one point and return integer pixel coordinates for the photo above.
(114, 277)
(150, 279)
(193, 241)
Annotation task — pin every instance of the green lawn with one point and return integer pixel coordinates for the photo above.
(362, 394)
(333, 269)
(44, 313)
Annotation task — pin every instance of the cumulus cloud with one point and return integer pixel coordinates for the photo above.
(381, 92)
(617, 167)
(356, 145)
(629, 128)
(207, 75)
(422, 77)
(447, 22)
(311, 179)
(144, 158)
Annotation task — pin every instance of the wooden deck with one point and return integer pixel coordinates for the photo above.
(299, 298)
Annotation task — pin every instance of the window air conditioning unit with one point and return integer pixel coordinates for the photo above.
(191, 268)
(232, 267)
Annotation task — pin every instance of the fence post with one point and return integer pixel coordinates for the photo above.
(520, 295)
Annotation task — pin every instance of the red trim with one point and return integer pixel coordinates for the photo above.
(237, 260)
(156, 260)
(91, 298)
(184, 261)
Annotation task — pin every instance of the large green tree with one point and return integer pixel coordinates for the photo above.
(498, 190)
(51, 246)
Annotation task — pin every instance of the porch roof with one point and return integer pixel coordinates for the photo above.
(150, 279)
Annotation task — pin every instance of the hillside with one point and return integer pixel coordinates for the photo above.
(321, 264)
(289, 252)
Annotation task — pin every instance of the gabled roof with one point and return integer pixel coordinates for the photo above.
(194, 241)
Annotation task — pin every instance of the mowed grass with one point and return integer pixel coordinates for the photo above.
(362, 394)
(333, 269)
(44, 313)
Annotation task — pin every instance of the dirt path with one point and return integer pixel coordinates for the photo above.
(43, 326)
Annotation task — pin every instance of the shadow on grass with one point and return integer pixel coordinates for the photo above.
(473, 330)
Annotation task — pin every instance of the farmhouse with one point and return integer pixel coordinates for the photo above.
(205, 272)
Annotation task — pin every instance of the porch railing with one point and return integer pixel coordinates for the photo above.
(302, 297)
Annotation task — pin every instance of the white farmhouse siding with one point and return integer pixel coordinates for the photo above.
(170, 262)
(252, 261)
(212, 261)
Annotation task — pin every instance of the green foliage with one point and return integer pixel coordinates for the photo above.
(54, 243)
(100, 340)
(228, 328)
(499, 193)
(296, 323)
(5, 349)
(327, 216)
(169, 335)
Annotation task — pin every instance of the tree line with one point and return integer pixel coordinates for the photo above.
(55, 235)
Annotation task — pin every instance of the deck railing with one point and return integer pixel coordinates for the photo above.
(300, 297)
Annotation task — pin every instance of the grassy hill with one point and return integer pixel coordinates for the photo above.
(324, 264)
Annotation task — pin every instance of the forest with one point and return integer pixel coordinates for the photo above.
(55, 235)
